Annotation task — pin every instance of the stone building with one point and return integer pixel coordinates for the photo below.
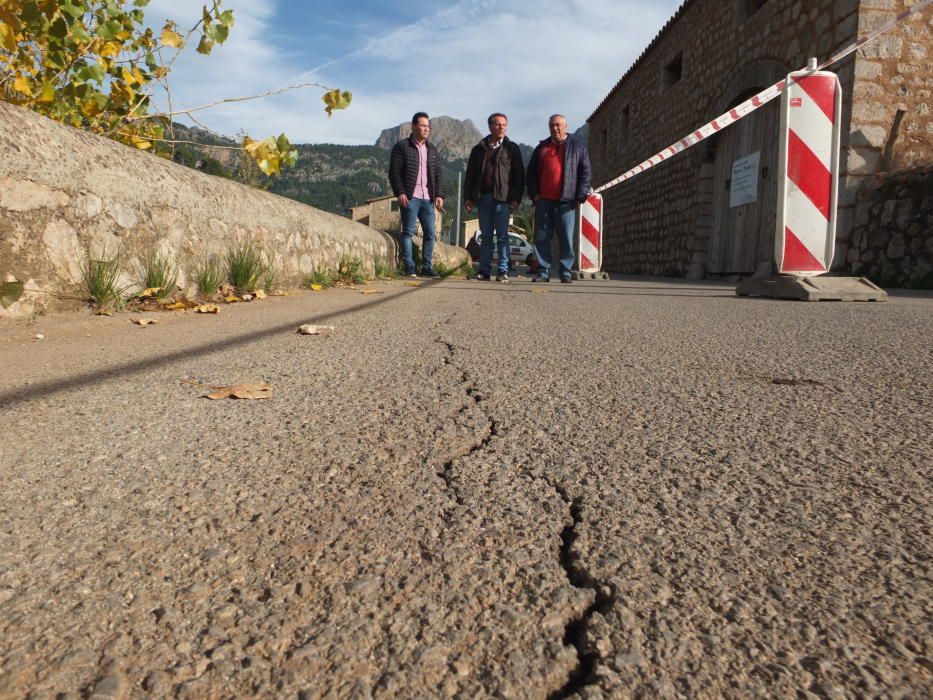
(675, 219)
(382, 213)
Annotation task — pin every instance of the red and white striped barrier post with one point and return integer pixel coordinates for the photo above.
(808, 169)
(590, 236)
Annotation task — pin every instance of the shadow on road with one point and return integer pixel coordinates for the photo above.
(55, 386)
(523, 286)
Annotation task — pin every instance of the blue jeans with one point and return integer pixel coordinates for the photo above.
(493, 219)
(418, 210)
(552, 216)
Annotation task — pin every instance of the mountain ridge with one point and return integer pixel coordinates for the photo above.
(331, 177)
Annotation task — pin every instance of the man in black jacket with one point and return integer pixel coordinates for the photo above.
(495, 178)
(415, 177)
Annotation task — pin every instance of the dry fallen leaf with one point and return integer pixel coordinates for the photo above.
(372, 291)
(259, 294)
(279, 293)
(150, 292)
(208, 309)
(104, 312)
(538, 291)
(40, 336)
(231, 299)
(226, 290)
(144, 321)
(247, 297)
(316, 287)
(179, 304)
(241, 391)
(311, 329)
(413, 284)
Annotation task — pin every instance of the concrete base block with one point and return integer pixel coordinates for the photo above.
(804, 288)
(577, 275)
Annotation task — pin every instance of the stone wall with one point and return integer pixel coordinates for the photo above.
(659, 222)
(383, 214)
(892, 242)
(65, 193)
(892, 73)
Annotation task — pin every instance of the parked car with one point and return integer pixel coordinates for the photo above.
(520, 250)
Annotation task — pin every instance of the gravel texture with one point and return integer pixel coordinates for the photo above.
(630, 488)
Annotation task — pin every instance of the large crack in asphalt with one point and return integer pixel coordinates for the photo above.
(575, 631)
(473, 399)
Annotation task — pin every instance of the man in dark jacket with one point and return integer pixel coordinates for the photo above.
(559, 177)
(415, 177)
(494, 182)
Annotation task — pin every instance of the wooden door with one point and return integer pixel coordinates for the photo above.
(743, 236)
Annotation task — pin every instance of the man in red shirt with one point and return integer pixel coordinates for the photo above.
(559, 177)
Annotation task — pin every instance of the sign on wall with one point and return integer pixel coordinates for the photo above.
(744, 188)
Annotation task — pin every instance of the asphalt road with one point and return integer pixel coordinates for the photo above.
(635, 488)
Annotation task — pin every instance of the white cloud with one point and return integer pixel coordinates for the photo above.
(467, 60)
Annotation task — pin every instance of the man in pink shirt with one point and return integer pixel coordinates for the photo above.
(415, 177)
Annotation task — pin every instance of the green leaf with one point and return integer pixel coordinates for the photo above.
(59, 28)
(79, 32)
(205, 45)
(226, 18)
(141, 3)
(10, 292)
(30, 12)
(47, 94)
(109, 29)
(70, 9)
(217, 32)
(92, 72)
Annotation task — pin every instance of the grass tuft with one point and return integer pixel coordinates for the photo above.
(157, 270)
(101, 280)
(463, 268)
(209, 275)
(245, 266)
(350, 270)
(270, 278)
(384, 270)
(322, 277)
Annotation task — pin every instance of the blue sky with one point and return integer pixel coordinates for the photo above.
(462, 58)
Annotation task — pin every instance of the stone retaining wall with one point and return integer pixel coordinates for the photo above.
(65, 192)
(892, 241)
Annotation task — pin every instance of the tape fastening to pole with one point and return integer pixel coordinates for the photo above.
(750, 105)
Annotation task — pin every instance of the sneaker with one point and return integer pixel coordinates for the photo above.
(481, 276)
(430, 273)
(566, 280)
(410, 274)
(541, 278)
(502, 277)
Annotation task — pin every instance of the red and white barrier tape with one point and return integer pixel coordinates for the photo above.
(749, 106)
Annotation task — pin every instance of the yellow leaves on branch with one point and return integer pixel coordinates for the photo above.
(335, 99)
(271, 153)
(170, 37)
(93, 64)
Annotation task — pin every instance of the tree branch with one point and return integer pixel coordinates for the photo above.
(231, 99)
(177, 141)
